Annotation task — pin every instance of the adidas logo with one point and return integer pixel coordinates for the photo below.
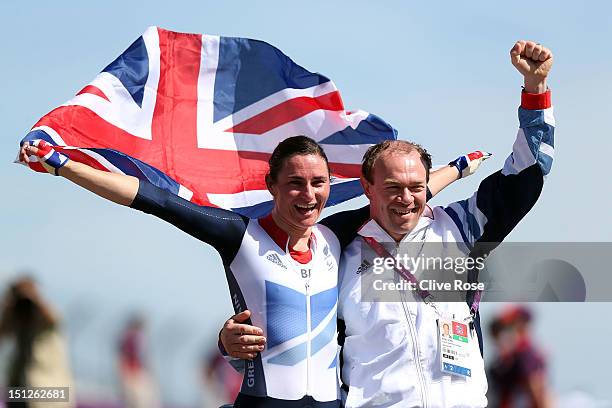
(364, 265)
(275, 259)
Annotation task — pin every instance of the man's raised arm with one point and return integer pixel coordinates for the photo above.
(506, 196)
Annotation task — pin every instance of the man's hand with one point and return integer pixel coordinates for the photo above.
(534, 62)
(241, 340)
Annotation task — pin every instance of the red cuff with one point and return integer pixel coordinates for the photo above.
(532, 101)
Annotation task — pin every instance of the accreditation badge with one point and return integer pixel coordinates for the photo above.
(453, 338)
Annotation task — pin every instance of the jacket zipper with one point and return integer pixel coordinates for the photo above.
(308, 345)
(416, 351)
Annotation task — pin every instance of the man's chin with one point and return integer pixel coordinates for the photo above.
(404, 228)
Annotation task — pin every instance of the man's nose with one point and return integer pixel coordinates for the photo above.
(406, 196)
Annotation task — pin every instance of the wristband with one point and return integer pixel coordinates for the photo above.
(51, 159)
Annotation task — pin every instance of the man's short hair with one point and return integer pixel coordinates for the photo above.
(388, 147)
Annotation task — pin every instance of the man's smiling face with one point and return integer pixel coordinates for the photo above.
(398, 192)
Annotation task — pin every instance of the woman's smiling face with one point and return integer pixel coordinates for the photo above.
(300, 190)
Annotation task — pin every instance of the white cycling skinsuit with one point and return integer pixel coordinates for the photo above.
(391, 354)
(294, 301)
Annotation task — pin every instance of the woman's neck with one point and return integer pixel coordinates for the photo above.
(298, 237)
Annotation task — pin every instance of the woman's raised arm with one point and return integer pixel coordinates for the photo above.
(118, 188)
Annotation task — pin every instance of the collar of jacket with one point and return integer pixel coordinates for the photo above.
(372, 229)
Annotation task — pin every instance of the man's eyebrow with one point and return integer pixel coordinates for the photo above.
(395, 181)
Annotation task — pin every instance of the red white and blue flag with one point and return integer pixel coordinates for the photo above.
(199, 115)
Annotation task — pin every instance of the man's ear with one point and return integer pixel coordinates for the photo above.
(367, 187)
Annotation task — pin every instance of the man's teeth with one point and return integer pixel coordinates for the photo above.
(402, 212)
(306, 207)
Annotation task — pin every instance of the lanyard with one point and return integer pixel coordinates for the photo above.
(425, 295)
(476, 302)
(380, 250)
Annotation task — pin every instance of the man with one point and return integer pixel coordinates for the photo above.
(517, 376)
(392, 353)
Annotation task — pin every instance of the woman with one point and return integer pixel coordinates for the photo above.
(283, 267)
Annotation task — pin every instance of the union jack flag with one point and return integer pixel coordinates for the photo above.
(199, 115)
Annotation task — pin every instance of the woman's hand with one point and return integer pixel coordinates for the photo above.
(467, 164)
(49, 158)
(118, 188)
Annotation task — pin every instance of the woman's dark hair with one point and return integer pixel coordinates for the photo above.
(293, 146)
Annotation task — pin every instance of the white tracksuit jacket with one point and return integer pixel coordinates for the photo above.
(390, 353)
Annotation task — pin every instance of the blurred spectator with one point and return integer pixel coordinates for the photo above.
(39, 357)
(137, 387)
(221, 382)
(517, 378)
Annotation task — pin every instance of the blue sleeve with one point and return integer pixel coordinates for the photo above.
(222, 229)
(506, 196)
(345, 224)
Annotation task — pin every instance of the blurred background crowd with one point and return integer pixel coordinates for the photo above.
(127, 363)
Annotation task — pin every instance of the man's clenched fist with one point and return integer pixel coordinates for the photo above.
(534, 62)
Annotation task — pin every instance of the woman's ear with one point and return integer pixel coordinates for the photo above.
(270, 185)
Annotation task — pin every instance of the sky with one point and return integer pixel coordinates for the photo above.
(439, 73)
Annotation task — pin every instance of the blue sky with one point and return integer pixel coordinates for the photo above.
(438, 73)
